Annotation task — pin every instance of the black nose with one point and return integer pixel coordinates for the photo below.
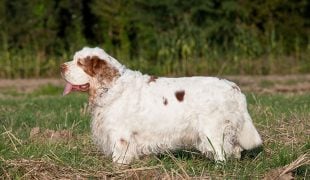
(63, 68)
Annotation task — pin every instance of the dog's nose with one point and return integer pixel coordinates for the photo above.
(63, 68)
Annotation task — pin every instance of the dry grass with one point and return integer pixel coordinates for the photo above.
(286, 172)
(44, 169)
(46, 136)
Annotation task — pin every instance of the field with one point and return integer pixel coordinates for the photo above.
(46, 136)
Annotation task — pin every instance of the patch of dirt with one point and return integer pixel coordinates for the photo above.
(273, 83)
(36, 134)
(256, 84)
(28, 85)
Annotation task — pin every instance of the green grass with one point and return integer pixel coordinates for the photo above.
(283, 120)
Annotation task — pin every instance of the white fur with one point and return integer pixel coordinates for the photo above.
(136, 116)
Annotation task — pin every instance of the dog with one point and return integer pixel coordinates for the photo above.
(135, 114)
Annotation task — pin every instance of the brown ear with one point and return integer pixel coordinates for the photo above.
(96, 67)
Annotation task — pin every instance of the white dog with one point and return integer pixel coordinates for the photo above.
(135, 114)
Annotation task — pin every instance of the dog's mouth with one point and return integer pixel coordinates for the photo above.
(70, 87)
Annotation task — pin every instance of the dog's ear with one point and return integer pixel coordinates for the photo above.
(91, 65)
(99, 68)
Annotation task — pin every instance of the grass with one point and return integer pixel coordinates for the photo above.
(282, 119)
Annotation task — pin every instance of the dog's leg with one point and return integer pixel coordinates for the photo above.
(210, 133)
(230, 141)
(212, 147)
(123, 152)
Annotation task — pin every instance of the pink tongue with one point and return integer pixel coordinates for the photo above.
(68, 89)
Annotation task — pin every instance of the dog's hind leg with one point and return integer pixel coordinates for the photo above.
(212, 147)
(231, 145)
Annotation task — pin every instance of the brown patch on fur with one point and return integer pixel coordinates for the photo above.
(94, 66)
(102, 72)
(134, 133)
(152, 79)
(63, 68)
(165, 101)
(180, 95)
(123, 142)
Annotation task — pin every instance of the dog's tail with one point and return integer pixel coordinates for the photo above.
(248, 136)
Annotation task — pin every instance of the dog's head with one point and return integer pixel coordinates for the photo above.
(90, 69)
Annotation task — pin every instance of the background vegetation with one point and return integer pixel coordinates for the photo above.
(167, 37)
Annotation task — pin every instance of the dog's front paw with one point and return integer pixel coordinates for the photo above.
(122, 159)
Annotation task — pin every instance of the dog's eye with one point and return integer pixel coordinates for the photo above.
(79, 62)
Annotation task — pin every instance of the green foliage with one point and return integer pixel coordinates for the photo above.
(170, 37)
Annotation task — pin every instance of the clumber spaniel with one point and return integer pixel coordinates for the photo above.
(135, 114)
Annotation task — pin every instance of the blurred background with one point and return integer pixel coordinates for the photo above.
(167, 37)
(261, 45)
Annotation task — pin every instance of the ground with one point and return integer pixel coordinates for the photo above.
(46, 136)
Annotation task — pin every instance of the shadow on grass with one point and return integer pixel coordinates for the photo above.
(251, 154)
(193, 154)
